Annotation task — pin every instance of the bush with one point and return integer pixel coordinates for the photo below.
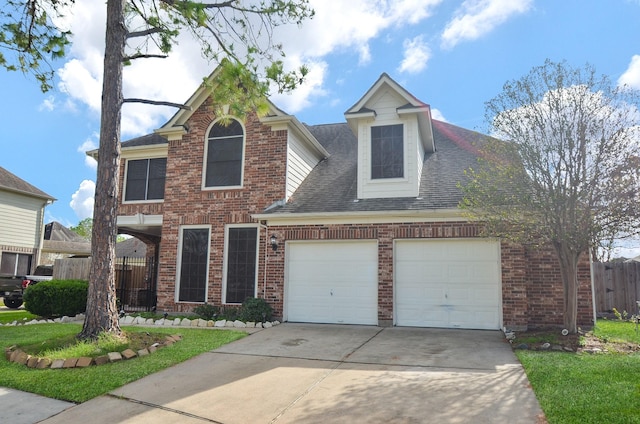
(206, 311)
(57, 298)
(255, 310)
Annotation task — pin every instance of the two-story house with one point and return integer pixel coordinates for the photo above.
(21, 224)
(354, 222)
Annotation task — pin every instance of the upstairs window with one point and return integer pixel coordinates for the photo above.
(145, 179)
(225, 146)
(387, 152)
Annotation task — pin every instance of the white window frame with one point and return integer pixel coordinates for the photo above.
(369, 157)
(124, 181)
(179, 262)
(226, 262)
(206, 155)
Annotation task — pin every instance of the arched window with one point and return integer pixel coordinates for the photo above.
(225, 145)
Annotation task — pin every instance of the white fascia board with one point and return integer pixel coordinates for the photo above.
(139, 219)
(382, 217)
(145, 152)
(291, 123)
(172, 133)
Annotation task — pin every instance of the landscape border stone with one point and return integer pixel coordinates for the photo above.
(14, 354)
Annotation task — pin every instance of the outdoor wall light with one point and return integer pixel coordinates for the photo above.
(274, 242)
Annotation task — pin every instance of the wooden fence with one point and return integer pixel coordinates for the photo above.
(72, 269)
(134, 279)
(617, 286)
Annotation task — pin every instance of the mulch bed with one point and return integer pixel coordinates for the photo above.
(583, 342)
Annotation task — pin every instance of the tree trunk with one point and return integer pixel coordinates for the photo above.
(102, 309)
(569, 271)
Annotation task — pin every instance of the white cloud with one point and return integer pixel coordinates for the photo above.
(312, 87)
(339, 25)
(436, 114)
(476, 18)
(48, 104)
(89, 144)
(82, 199)
(631, 76)
(416, 55)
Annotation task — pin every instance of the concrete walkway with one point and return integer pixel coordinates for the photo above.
(305, 373)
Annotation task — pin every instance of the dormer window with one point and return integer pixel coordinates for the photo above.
(387, 152)
(225, 145)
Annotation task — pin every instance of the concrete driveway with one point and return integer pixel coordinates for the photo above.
(305, 373)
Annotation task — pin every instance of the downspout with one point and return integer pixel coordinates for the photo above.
(266, 250)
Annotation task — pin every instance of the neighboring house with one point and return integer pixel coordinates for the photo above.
(21, 224)
(60, 243)
(354, 223)
(131, 248)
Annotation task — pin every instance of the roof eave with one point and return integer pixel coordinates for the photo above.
(381, 216)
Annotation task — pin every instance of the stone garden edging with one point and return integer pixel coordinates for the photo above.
(176, 322)
(13, 354)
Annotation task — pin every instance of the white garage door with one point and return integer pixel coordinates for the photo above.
(447, 283)
(332, 282)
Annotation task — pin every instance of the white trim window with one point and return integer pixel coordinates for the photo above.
(145, 179)
(224, 156)
(15, 263)
(387, 151)
(193, 264)
(240, 263)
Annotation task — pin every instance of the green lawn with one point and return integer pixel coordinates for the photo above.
(82, 384)
(587, 388)
(11, 315)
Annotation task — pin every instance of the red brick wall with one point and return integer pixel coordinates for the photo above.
(186, 203)
(531, 285)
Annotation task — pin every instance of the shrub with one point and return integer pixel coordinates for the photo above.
(206, 311)
(255, 310)
(230, 313)
(57, 298)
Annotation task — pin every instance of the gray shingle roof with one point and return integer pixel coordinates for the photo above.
(332, 184)
(10, 182)
(145, 140)
(57, 232)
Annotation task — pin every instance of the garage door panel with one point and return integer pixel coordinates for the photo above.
(332, 282)
(447, 283)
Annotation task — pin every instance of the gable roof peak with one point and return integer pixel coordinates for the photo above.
(11, 182)
(382, 81)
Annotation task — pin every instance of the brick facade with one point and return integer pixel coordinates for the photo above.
(531, 284)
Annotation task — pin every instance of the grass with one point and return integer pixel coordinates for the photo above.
(7, 317)
(82, 384)
(587, 388)
(617, 331)
(70, 347)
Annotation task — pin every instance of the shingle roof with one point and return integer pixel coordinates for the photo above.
(145, 140)
(131, 248)
(332, 184)
(57, 232)
(10, 182)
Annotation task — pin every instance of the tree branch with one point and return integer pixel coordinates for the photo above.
(157, 103)
(144, 33)
(144, 56)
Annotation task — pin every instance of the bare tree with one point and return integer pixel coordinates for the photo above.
(563, 168)
(235, 34)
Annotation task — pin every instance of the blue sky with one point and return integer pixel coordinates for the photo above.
(453, 54)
